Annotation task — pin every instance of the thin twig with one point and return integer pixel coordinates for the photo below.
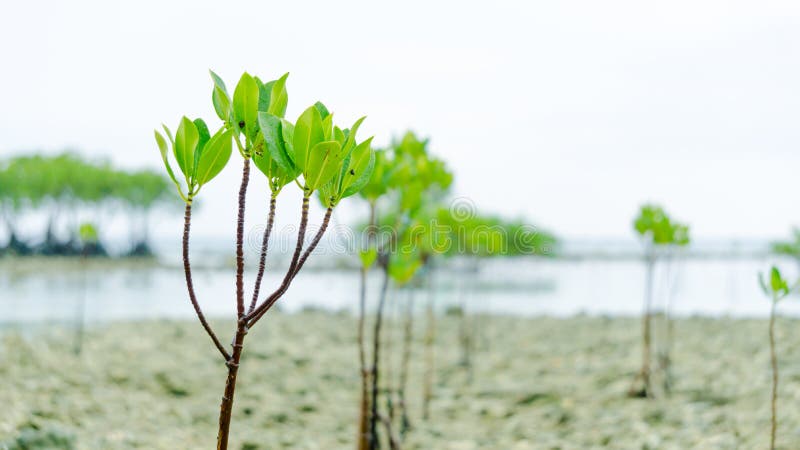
(299, 265)
(260, 310)
(394, 442)
(190, 286)
(376, 358)
(264, 247)
(774, 363)
(240, 240)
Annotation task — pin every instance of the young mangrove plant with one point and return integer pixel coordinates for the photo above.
(679, 241)
(657, 232)
(312, 153)
(776, 288)
(404, 180)
(88, 236)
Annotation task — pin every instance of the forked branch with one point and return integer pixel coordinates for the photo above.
(297, 264)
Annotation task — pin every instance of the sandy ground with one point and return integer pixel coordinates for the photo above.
(539, 383)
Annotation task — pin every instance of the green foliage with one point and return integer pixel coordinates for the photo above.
(87, 233)
(67, 182)
(655, 226)
(200, 157)
(408, 188)
(776, 286)
(28, 182)
(329, 158)
(790, 247)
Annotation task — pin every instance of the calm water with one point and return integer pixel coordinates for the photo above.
(527, 287)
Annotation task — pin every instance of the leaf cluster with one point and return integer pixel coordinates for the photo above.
(655, 225)
(311, 151)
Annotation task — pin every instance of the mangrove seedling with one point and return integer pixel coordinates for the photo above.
(87, 233)
(776, 288)
(657, 232)
(312, 153)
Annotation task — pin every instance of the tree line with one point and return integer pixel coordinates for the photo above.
(70, 191)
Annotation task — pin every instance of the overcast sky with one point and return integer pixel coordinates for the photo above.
(567, 113)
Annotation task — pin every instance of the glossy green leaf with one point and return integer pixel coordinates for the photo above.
(163, 149)
(222, 104)
(218, 83)
(287, 130)
(203, 137)
(220, 98)
(215, 156)
(323, 110)
(270, 126)
(279, 97)
(186, 139)
(339, 135)
(362, 163)
(327, 128)
(324, 161)
(307, 134)
(350, 142)
(245, 105)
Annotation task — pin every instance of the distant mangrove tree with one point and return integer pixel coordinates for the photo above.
(64, 190)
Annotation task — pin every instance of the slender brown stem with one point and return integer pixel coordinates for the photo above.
(405, 423)
(430, 336)
(774, 362)
(644, 373)
(264, 247)
(240, 240)
(376, 341)
(363, 423)
(190, 286)
(394, 442)
(287, 279)
(226, 405)
(314, 242)
(294, 268)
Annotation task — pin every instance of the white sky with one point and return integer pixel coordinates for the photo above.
(569, 113)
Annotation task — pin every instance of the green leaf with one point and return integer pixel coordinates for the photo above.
(203, 137)
(270, 126)
(307, 134)
(218, 82)
(339, 135)
(324, 160)
(186, 139)
(245, 105)
(287, 130)
(264, 94)
(222, 104)
(323, 110)
(162, 147)
(87, 233)
(350, 142)
(362, 163)
(279, 98)
(368, 257)
(327, 128)
(215, 156)
(220, 98)
(169, 134)
(777, 283)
